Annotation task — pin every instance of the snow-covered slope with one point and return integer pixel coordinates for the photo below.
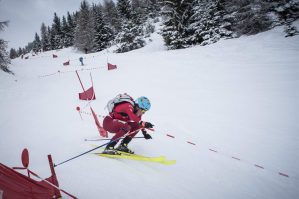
(237, 97)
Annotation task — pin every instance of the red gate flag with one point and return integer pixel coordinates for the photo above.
(66, 63)
(87, 95)
(101, 130)
(111, 66)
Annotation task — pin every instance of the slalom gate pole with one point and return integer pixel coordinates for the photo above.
(81, 83)
(55, 165)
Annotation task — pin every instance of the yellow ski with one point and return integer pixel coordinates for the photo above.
(164, 161)
(123, 155)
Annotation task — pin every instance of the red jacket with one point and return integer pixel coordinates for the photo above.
(125, 112)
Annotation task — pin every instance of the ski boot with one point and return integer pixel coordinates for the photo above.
(123, 147)
(110, 149)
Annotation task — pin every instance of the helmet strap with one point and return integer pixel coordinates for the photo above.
(136, 107)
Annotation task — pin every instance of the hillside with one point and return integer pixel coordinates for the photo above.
(237, 100)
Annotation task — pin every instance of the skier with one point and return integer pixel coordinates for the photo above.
(125, 118)
(81, 60)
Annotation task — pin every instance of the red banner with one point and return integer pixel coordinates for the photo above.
(87, 95)
(66, 63)
(111, 66)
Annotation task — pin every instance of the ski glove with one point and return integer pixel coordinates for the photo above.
(146, 135)
(148, 125)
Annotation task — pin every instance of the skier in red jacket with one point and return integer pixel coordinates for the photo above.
(125, 118)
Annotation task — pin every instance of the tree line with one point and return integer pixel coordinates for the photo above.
(201, 22)
(186, 23)
(96, 27)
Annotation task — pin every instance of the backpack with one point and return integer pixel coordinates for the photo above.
(119, 99)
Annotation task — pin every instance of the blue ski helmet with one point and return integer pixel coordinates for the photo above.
(143, 103)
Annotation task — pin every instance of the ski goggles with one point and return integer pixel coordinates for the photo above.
(142, 110)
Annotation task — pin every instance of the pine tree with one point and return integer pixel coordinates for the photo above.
(287, 10)
(207, 23)
(36, 44)
(65, 29)
(56, 33)
(44, 38)
(29, 47)
(71, 29)
(110, 16)
(84, 29)
(254, 19)
(290, 30)
(138, 14)
(248, 16)
(4, 58)
(20, 52)
(124, 9)
(151, 8)
(51, 41)
(176, 14)
(102, 33)
(130, 36)
(13, 53)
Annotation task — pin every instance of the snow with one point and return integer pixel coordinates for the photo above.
(238, 97)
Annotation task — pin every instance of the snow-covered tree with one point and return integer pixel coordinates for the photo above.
(149, 28)
(13, 53)
(29, 47)
(207, 23)
(138, 13)
(287, 10)
(36, 43)
(45, 39)
(71, 29)
(110, 16)
(20, 51)
(124, 9)
(84, 29)
(150, 8)
(64, 30)
(253, 18)
(50, 39)
(67, 35)
(130, 36)
(290, 30)
(102, 33)
(56, 33)
(176, 15)
(4, 58)
(248, 16)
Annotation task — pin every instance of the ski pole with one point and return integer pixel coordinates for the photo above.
(55, 165)
(101, 139)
